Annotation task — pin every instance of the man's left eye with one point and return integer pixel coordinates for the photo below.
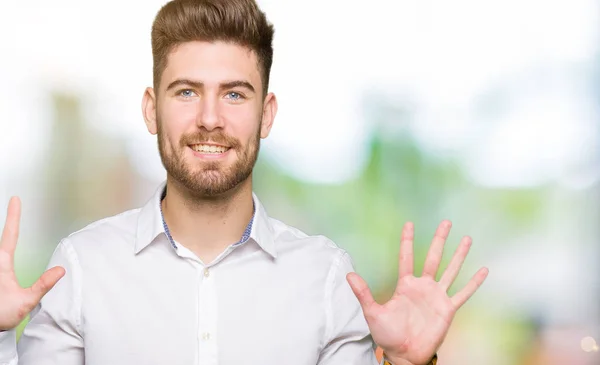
(234, 96)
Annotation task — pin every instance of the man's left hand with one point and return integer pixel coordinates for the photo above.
(412, 325)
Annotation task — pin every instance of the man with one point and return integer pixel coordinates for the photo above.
(173, 282)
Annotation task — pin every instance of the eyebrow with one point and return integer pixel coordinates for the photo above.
(200, 85)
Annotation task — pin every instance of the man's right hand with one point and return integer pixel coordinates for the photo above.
(17, 302)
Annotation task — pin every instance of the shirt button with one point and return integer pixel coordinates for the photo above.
(206, 272)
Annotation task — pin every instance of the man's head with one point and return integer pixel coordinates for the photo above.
(210, 103)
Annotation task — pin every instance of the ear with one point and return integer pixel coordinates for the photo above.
(149, 110)
(268, 116)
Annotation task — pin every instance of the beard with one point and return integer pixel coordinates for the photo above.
(208, 178)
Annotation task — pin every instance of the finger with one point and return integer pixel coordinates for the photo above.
(462, 296)
(10, 233)
(361, 290)
(43, 285)
(456, 263)
(406, 259)
(436, 250)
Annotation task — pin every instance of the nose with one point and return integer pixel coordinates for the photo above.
(208, 114)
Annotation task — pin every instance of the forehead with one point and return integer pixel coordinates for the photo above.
(212, 63)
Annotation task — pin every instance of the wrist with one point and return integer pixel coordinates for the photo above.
(400, 361)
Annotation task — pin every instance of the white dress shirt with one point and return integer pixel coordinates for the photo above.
(131, 296)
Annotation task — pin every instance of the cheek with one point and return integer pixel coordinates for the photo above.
(180, 112)
(243, 123)
(176, 119)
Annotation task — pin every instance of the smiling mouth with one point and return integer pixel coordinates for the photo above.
(209, 149)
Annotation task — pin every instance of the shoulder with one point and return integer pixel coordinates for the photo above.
(318, 249)
(108, 231)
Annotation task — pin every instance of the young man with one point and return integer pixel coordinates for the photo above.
(201, 274)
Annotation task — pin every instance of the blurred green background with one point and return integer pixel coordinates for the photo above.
(484, 114)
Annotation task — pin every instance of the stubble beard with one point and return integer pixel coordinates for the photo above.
(208, 179)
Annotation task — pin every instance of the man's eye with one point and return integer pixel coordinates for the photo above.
(186, 93)
(234, 96)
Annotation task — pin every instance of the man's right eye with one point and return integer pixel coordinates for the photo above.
(187, 93)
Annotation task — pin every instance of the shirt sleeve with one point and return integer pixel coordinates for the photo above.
(347, 340)
(53, 335)
(8, 347)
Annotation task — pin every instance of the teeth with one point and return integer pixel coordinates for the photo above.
(209, 149)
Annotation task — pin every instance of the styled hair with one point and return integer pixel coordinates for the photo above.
(239, 22)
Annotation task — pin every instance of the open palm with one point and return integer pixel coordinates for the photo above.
(16, 302)
(412, 325)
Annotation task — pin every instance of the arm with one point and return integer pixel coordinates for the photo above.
(53, 334)
(347, 339)
(8, 347)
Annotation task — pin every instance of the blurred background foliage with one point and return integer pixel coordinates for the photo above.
(485, 114)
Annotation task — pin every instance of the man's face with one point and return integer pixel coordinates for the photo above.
(209, 116)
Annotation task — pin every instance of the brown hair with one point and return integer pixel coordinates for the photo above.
(236, 21)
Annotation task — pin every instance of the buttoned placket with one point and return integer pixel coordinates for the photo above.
(207, 316)
(207, 303)
(207, 298)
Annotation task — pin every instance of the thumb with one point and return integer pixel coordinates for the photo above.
(45, 283)
(361, 290)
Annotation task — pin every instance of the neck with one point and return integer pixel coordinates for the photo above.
(207, 225)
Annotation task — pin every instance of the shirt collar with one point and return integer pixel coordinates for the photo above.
(150, 224)
(262, 230)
